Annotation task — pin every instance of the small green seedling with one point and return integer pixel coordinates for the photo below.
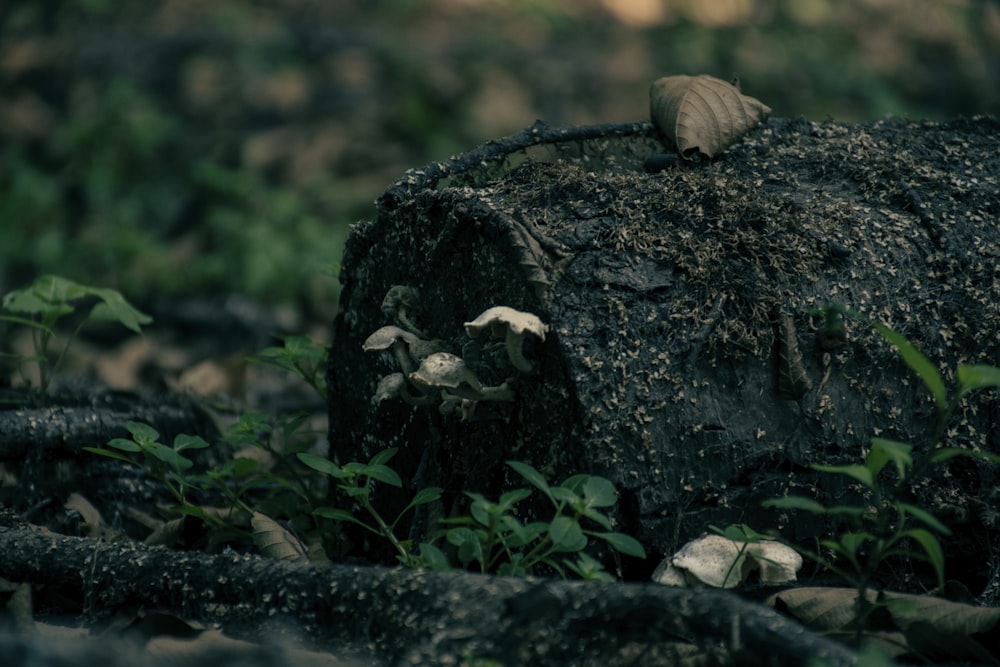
(355, 480)
(300, 356)
(493, 538)
(885, 524)
(166, 464)
(47, 300)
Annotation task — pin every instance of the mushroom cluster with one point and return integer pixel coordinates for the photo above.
(719, 562)
(430, 374)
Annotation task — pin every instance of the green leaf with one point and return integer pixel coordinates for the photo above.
(566, 534)
(931, 547)
(481, 509)
(340, 515)
(425, 495)
(883, 451)
(924, 516)
(510, 498)
(434, 558)
(533, 476)
(125, 445)
(184, 441)
(13, 319)
(858, 472)
(383, 456)
(321, 464)
(167, 455)
(575, 483)
(741, 533)
(920, 364)
(564, 495)
(597, 518)
(599, 492)
(115, 308)
(977, 376)
(142, 433)
(383, 474)
(625, 544)
(354, 491)
(110, 454)
(49, 296)
(517, 536)
(848, 543)
(796, 503)
(589, 569)
(470, 547)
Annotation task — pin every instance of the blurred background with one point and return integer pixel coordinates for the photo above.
(185, 147)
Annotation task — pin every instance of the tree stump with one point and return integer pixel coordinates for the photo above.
(683, 358)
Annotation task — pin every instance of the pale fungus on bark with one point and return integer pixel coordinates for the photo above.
(395, 339)
(395, 385)
(399, 303)
(717, 561)
(444, 370)
(511, 325)
(459, 386)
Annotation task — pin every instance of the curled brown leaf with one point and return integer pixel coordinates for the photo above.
(702, 114)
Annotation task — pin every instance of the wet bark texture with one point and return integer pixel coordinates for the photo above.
(402, 616)
(683, 360)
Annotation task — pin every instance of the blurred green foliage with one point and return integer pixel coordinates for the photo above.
(186, 147)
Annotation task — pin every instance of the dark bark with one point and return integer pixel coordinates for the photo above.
(62, 431)
(683, 360)
(414, 617)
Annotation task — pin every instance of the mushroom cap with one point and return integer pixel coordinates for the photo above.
(713, 560)
(502, 318)
(779, 563)
(400, 295)
(388, 387)
(447, 371)
(383, 338)
(717, 561)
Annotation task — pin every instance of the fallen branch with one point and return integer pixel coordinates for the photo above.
(413, 616)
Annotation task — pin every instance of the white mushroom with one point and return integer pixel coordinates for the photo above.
(399, 302)
(397, 340)
(394, 385)
(443, 370)
(511, 325)
(779, 563)
(714, 560)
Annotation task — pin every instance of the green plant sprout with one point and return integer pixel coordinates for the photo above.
(491, 536)
(886, 524)
(301, 356)
(355, 479)
(167, 464)
(495, 539)
(49, 298)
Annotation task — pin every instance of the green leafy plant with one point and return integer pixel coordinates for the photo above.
(492, 537)
(301, 356)
(166, 463)
(50, 298)
(355, 480)
(886, 524)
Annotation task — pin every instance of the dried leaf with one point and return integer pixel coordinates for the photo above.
(793, 381)
(703, 114)
(274, 541)
(921, 625)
